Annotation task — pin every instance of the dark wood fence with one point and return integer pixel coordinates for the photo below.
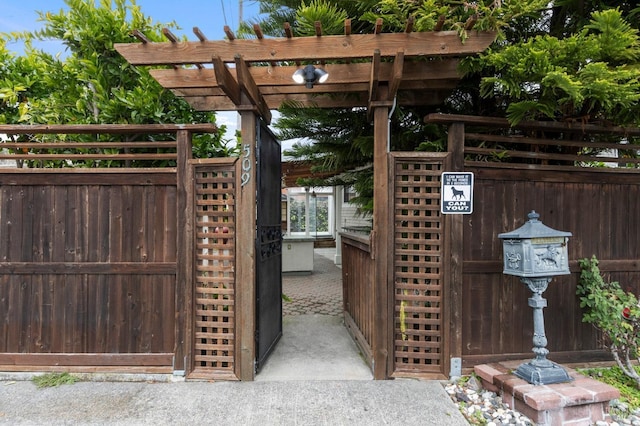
(598, 209)
(450, 297)
(89, 273)
(96, 274)
(88, 266)
(580, 178)
(358, 294)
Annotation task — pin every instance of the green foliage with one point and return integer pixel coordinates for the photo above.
(569, 16)
(17, 77)
(91, 83)
(342, 143)
(274, 13)
(519, 111)
(618, 41)
(50, 380)
(558, 60)
(612, 311)
(593, 74)
(615, 377)
(489, 15)
(330, 16)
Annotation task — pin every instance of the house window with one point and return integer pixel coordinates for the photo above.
(310, 211)
(297, 213)
(349, 194)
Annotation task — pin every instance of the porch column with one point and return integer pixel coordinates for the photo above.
(338, 193)
(245, 250)
(381, 240)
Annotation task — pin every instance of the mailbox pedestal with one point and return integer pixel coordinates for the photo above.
(535, 253)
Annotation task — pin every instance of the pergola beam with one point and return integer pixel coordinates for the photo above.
(413, 86)
(414, 68)
(339, 74)
(250, 88)
(374, 79)
(324, 48)
(335, 100)
(396, 77)
(225, 80)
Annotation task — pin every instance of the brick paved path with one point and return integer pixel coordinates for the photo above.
(318, 293)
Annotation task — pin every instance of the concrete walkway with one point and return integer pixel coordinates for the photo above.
(315, 347)
(315, 344)
(315, 376)
(366, 403)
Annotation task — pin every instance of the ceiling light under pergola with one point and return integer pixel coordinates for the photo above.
(310, 75)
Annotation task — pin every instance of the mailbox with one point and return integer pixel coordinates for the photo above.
(535, 253)
(535, 250)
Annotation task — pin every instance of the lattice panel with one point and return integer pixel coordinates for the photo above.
(418, 274)
(214, 299)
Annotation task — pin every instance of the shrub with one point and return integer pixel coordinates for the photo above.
(614, 312)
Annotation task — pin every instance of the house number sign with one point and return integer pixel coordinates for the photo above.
(246, 164)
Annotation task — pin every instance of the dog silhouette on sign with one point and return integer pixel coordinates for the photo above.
(457, 193)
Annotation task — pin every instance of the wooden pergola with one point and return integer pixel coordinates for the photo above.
(254, 76)
(365, 70)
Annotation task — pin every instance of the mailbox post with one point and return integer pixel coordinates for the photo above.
(536, 253)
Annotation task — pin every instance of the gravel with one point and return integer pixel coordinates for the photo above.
(621, 414)
(482, 407)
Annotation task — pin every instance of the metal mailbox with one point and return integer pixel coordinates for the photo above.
(535, 253)
(535, 250)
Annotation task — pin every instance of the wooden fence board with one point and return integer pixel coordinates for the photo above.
(64, 314)
(357, 292)
(87, 268)
(89, 257)
(598, 215)
(64, 361)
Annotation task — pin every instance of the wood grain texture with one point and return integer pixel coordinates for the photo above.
(443, 43)
(357, 286)
(419, 290)
(214, 279)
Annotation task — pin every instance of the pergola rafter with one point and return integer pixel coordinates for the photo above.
(414, 68)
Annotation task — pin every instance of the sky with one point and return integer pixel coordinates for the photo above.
(209, 15)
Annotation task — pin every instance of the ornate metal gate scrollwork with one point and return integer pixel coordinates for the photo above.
(268, 245)
(270, 242)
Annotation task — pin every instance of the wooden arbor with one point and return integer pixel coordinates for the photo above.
(253, 76)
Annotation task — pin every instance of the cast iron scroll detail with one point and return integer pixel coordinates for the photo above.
(270, 241)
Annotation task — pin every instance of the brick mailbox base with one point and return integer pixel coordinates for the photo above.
(582, 401)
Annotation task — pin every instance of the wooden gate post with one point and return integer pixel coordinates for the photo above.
(454, 244)
(381, 241)
(184, 274)
(245, 250)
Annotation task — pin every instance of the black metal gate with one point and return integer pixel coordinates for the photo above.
(268, 245)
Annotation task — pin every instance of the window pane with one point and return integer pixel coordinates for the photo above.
(297, 213)
(319, 214)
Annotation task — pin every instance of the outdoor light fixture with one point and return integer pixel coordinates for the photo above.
(310, 75)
